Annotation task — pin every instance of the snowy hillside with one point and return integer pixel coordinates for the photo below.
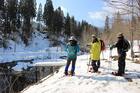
(85, 82)
(39, 50)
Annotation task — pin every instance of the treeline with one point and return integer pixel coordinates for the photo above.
(16, 17)
(126, 20)
(121, 24)
(59, 25)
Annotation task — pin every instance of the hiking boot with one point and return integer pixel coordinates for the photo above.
(66, 73)
(72, 73)
(117, 74)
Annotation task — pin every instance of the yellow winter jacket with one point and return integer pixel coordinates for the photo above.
(95, 50)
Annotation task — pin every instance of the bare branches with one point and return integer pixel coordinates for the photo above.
(125, 6)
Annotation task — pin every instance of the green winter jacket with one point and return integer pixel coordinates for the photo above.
(72, 51)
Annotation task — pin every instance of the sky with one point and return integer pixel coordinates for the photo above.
(93, 11)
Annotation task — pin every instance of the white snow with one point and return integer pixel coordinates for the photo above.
(55, 62)
(39, 50)
(85, 82)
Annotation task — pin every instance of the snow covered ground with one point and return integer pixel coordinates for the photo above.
(85, 82)
(39, 50)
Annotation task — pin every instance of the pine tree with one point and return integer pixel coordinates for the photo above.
(39, 16)
(58, 21)
(67, 26)
(1, 5)
(12, 14)
(73, 25)
(106, 28)
(28, 12)
(1, 21)
(1, 13)
(39, 13)
(48, 14)
(18, 21)
(28, 8)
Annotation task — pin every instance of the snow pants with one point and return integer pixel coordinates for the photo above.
(95, 65)
(121, 63)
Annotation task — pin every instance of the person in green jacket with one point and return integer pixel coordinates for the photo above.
(72, 48)
(95, 51)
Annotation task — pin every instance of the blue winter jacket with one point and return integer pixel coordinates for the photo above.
(72, 50)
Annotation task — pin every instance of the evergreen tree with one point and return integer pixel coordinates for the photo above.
(12, 14)
(27, 9)
(12, 9)
(73, 25)
(39, 16)
(1, 5)
(1, 13)
(58, 21)
(18, 21)
(67, 26)
(39, 13)
(48, 14)
(106, 28)
(106, 33)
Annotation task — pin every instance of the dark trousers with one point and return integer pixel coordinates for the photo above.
(95, 65)
(69, 60)
(121, 64)
(98, 63)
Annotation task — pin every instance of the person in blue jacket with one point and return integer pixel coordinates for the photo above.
(72, 48)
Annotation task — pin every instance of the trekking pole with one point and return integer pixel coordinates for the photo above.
(88, 64)
(103, 58)
(110, 61)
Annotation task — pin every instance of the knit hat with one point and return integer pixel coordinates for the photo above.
(72, 38)
(94, 36)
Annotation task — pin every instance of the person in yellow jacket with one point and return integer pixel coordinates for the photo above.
(95, 51)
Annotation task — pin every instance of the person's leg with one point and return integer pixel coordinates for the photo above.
(73, 66)
(94, 65)
(121, 64)
(98, 64)
(67, 66)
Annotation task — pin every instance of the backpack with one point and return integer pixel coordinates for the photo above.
(126, 46)
(102, 45)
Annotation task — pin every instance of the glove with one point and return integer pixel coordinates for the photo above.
(112, 47)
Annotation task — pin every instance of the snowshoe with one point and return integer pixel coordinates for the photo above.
(129, 79)
(65, 73)
(117, 74)
(69, 73)
(90, 69)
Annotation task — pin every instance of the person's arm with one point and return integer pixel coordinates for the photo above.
(78, 48)
(113, 46)
(66, 47)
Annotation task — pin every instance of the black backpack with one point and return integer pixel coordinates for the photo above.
(126, 45)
